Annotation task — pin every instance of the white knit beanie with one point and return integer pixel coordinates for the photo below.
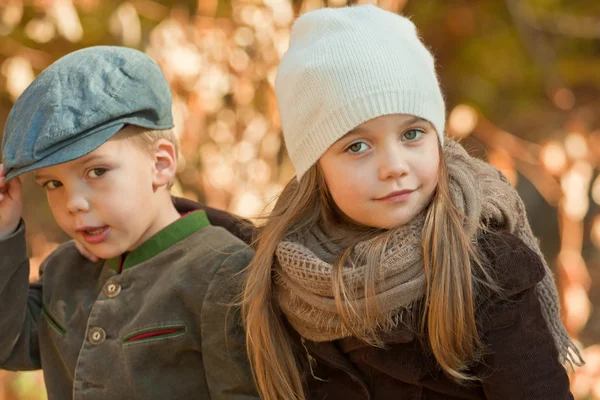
(346, 66)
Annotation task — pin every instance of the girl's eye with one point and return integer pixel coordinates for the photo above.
(52, 184)
(412, 134)
(96, 172)
(357, 148)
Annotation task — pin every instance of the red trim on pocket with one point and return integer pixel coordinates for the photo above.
(150, 334)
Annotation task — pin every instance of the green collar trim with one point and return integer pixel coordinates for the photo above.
(162, 240)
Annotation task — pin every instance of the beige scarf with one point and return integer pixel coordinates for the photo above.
(304, 268)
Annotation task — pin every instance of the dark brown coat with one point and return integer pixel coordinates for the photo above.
(521, 361)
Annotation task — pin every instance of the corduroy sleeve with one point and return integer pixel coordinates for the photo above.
(20, 306)
(223, 339)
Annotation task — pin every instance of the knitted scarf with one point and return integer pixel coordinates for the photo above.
(304, 271)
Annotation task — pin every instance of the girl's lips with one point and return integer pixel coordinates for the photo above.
(96, 235)
(401, 195)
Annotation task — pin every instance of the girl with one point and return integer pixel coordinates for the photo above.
(394, 265)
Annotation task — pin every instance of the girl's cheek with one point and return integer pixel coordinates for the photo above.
(360, 171)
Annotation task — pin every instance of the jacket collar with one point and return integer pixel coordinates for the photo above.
(161, 241)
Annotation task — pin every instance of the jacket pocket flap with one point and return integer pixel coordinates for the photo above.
(155, 333)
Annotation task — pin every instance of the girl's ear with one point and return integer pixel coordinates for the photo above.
(165, 163)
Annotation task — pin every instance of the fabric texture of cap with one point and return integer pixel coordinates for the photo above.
(345, 66)
(79, 102)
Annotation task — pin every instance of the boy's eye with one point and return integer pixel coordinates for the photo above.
(96, 172)
(412, 134)
(357, 148)
(52, 184)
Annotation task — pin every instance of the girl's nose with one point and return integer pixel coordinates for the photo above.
(392, 164)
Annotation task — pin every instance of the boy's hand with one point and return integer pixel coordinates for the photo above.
(11, 204)
(85, 252)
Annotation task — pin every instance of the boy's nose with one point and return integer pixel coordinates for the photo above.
(392, 164)
(77, 202)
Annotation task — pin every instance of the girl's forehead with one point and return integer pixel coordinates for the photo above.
(404, 119)
(387, 121)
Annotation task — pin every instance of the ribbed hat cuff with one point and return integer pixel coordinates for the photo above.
(325, 132)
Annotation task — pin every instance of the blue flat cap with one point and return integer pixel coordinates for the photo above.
(79, 102)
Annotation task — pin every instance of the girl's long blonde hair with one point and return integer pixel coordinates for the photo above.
(447, 316)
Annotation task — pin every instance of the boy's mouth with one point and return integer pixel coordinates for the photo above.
(94, 231)
(95, 235)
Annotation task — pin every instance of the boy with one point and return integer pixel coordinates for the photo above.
(150, 320)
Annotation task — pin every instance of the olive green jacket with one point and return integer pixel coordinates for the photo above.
(154, 325)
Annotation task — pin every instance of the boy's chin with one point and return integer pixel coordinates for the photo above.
(93, 253)
(107, 254)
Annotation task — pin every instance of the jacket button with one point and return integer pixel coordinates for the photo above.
(112, 289)
(96, 336)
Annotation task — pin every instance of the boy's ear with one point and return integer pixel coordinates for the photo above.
(165, 163)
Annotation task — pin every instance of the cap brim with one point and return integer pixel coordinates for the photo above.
(71, 151)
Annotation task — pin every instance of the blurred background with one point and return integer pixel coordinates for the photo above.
(521, 79)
